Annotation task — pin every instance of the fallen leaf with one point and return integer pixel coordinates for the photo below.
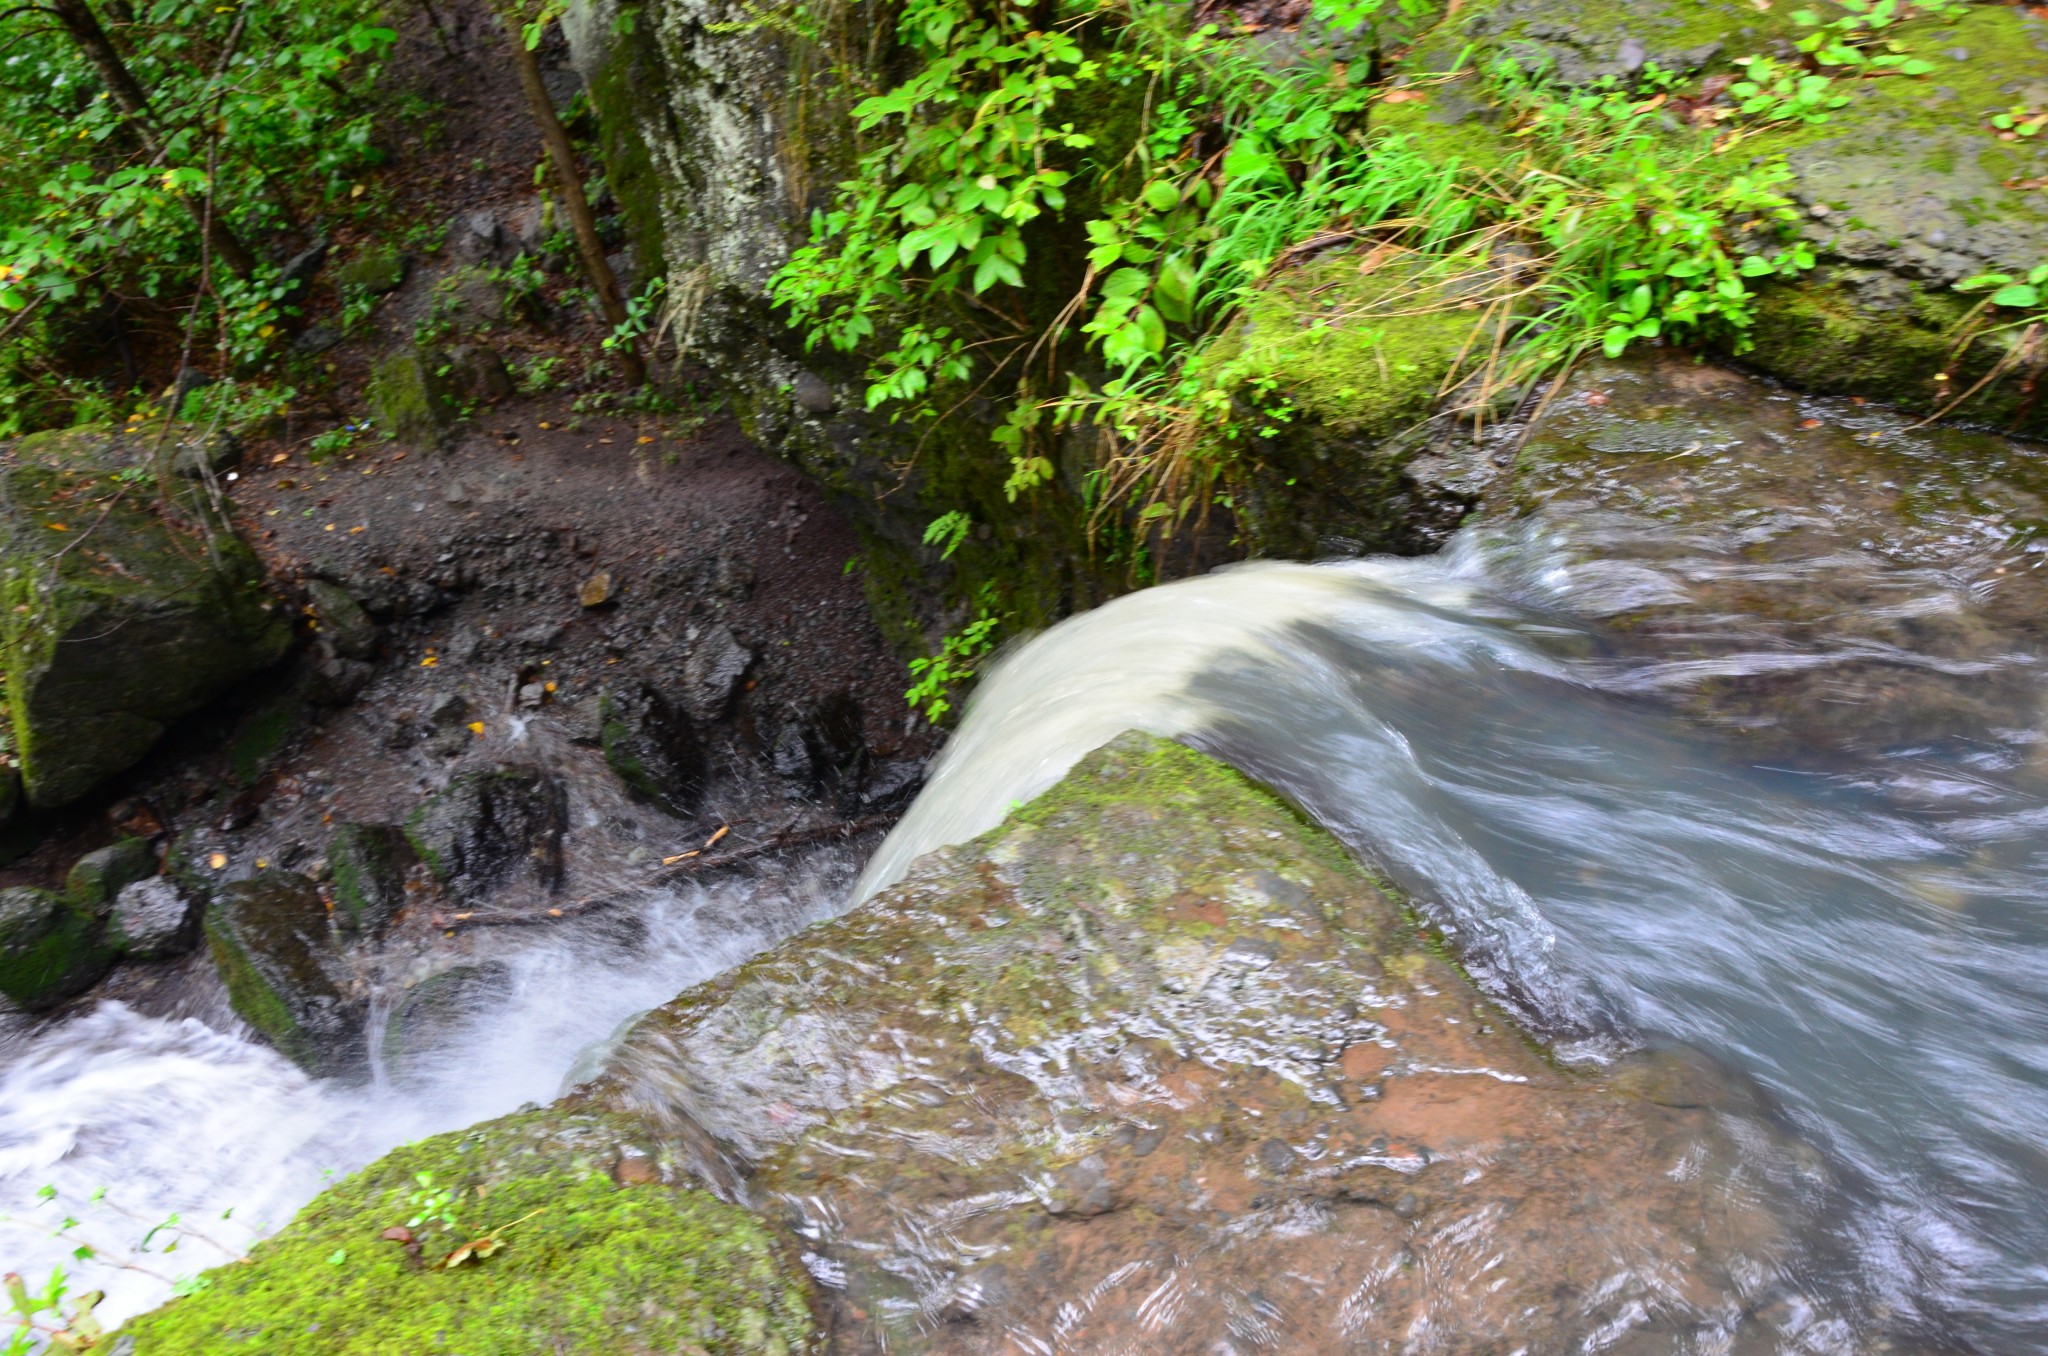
(476, 727)
(56, 527)
(1596, 398)
(429, 662)
(1403, 96)
(1809, 423)
(217, 860)
(397, 1233)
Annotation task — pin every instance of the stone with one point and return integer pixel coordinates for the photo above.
(813, 395)
(490, 828)
(475, 235)
(51, 947)
(375, 271)
(97, 877)
(152, 920)
(430, 1010)
(596, 591)
(271, 944)
(104, 648)
(994, 1029)
(822, 751)
(302, 268)
(207, 454)
(369, 863)
(477, 373)
(712, 673)
(408, 397)
(342, 620)
(652, 747)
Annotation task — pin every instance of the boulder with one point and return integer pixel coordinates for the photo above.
(652, 747)
(369, 862)
(343, 622)
(1155, 1036)
(491, 828)
(273, 948)
(428, 1011)
(152, 920)
(409, 398)
(119, 611)
(596, 1256)
(51, 947)
(375, 271)
(712, 673)
(97, 877)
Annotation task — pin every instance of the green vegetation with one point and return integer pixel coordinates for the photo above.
(155, 153)
(510, 1236)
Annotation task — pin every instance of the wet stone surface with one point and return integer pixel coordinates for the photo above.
(1155, 1067)
(1815, 575)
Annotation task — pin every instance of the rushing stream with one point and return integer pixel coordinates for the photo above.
(1804, 839)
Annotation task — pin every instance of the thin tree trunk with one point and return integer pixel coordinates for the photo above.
(595, 265)
(133, 101)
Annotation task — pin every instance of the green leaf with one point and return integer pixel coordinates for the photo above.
(2020, 296)
(1161, 196)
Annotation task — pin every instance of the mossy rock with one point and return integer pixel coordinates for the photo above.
(108, 638)
(587, 1267)
(652, 747)
(369, 862)
(51, 947)
(375, 271)
(409, 399)
(99, 875)
(272, 946)
(426, 1014)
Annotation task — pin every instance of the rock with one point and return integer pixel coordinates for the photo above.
(996, 1029)
(152, 920)
(427, 1012)
(539, 636)
(271, 944)
(335, 681)
(712, 673)
(594, 1267)
(475, 235)
(485, 829)
(302, 268)
(652, 747)
(207, 454)
(596, 591)
(50, 947)
(477, 373)
(317, 339)
(409, 398)
(528, 226)
(813, 395)
(375, 271)
(342, 620)
(822, 751)
(97, 877)
(104, 648)
(473, 299)
(369, 862)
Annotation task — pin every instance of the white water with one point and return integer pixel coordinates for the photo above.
(176, 1116)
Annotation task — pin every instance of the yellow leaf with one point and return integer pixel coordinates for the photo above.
(476, 727)
(429, 662)
(217, 860)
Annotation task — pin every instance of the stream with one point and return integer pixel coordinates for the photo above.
(1753, 784)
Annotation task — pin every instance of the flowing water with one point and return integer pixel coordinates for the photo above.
(1768, 783)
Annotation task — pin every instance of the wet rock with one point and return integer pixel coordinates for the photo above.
(153, 920)
(652, 747)
(491, 828)
(100, 875)
(335, 681)
(475, 235)
(933, 1034)
(347, 628)
(822, 752)
(409, 399)
(271, 944)
(712, 673)
(104, 648)
(428, 1012)
(50, 947)
(443, 727)
(596, 591)
(369, 863)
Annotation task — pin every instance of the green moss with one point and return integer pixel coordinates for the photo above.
(408, 398)
(588, 1267)
(50, 947)
(377, 270)
(368, 861)
(99, 875)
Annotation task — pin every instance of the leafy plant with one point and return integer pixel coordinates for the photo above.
(939, 675)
